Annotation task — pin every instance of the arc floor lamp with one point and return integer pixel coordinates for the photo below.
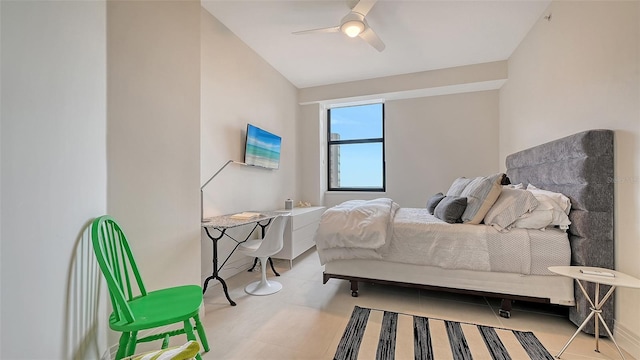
(211, 178)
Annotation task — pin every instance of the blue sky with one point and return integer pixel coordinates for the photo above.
(360, 164)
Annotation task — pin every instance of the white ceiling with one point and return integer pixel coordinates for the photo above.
(419, 35)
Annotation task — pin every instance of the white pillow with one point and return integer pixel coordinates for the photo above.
(558, 198)
(538, 219)
(510, 206)
(559, 217)
(547, 213)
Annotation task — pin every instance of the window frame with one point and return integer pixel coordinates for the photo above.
(356, 141)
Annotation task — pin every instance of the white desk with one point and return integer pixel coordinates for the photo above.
(619, 279)
(221, 224)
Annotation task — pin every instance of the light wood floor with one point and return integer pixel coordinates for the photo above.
(305, 320)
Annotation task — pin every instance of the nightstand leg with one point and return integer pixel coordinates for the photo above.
(610, 335)
(596, 309)
(576, 333)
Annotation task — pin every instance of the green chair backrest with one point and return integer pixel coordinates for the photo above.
(117, 264)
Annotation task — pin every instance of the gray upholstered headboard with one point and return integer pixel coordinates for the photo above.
(581, 167)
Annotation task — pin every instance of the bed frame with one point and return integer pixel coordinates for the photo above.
(580, 166)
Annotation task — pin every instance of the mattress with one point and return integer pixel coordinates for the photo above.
(419, 238)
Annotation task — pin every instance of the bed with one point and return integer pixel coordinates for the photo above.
(579, 166)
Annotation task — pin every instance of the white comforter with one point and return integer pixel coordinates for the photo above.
(416, 237)
(359, 224)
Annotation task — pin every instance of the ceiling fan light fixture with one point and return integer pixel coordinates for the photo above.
(354, 24)
(352, 28)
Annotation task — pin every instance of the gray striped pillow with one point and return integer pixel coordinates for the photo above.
(481, 193)
(458, 185)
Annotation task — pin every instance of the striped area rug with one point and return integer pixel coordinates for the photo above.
(381, 335)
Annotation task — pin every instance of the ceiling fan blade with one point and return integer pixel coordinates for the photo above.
(372, 39)
(364, 6)
(321, 30)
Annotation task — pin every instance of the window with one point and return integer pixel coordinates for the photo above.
(355, 142)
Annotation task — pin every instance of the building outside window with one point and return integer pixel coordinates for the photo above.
(356, 148)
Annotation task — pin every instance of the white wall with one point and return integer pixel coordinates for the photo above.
(53, 148)
(580, 71)
(312, 149)
(468, 78)
(0, 173)
(239, 87)
(153, 135)
(433, 140)
(429, 141)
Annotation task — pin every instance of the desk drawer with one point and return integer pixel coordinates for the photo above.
(305, 217)
(300, 231)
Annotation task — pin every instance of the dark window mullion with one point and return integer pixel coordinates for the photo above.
(357, 141)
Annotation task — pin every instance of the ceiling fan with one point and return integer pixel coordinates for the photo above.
(354, 24)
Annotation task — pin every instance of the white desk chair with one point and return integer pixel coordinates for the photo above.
(270, 245)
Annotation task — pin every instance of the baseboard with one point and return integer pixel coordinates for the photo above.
(627, 340)
(229, 270)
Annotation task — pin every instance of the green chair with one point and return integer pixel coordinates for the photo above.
(135, 309)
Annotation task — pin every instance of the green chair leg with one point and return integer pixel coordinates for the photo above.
(122, 345)
(165, 342)
(188, 330)
(133, 341)
(201, 334)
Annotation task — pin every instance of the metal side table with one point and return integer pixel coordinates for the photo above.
(598, 276)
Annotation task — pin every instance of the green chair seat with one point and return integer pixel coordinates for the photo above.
(160, 308)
